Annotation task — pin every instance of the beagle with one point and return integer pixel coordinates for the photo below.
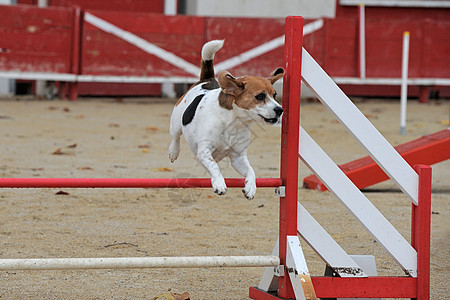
(215, 117)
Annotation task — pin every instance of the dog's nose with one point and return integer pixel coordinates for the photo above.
(278, 111)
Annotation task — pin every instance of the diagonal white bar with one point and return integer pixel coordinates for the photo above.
(357, 124)
(264, 48)
(138, 262)
(367, 214)
(325, 246)
(142, 44)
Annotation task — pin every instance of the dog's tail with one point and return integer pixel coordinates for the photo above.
(208, 51)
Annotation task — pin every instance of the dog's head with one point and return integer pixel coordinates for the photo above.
(254, 94)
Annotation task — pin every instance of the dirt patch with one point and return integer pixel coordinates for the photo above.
(103, 138)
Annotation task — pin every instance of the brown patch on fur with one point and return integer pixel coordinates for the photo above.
(254, 85)
(181, 98)
(226, 101)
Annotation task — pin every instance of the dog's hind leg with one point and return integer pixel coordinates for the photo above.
(241, 164)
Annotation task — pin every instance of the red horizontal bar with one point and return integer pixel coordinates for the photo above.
(368, 287)
(129, 182)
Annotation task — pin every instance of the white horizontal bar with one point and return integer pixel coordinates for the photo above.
(391, 81)
(38, 76)
(94, 78)
(138, 262)
(181, 79)
(135, 79)
(360, 127)
(398, 3)
(357, 203)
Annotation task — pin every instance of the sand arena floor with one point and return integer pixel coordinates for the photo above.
(105, 138)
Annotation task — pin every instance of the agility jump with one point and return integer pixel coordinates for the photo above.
(287, 275)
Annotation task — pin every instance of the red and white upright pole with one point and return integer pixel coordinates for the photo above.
(289, 143)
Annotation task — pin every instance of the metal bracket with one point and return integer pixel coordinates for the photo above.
(278, 271)
(280, 191)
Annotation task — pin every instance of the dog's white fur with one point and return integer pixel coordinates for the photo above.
(220, 125)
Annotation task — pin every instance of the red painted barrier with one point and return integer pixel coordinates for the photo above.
(364, 172)
(153, 6)
(42, 39)
(129, 182)
(35, 39)
(106, 54)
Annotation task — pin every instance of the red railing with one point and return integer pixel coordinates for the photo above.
(129, 182)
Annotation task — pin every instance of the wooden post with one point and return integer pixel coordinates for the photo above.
(420, 231)
(289, 142)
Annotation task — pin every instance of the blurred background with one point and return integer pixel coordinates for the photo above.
(76, 48)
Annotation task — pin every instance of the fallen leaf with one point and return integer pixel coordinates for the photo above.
(151, 128)
(173, 296)
(144, 150)
(163, 169)
(62, 193)
(66, 109)
(79, 117)
(445, 122)
(72, 146)
(114, 125)
(371, 116)
(58, 152)
(85, 168)
(37, 169)
(145, 146)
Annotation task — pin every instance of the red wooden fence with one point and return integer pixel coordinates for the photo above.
(42, 40)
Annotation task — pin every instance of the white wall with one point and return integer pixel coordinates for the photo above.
(262, 8)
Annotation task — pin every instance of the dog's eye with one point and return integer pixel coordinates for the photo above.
(261, 97)
(274, 95)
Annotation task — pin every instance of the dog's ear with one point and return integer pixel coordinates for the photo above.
(277, 74)
(229, 84)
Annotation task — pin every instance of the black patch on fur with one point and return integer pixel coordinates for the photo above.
(207, 70)
(211, 85)
(278, 71)
(189, 113)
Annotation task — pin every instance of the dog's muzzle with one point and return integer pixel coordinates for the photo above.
(278, 111)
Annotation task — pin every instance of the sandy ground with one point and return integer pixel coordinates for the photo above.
(105, 138)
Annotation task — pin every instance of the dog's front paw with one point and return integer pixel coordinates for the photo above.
(249, 189)
(219, 186)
